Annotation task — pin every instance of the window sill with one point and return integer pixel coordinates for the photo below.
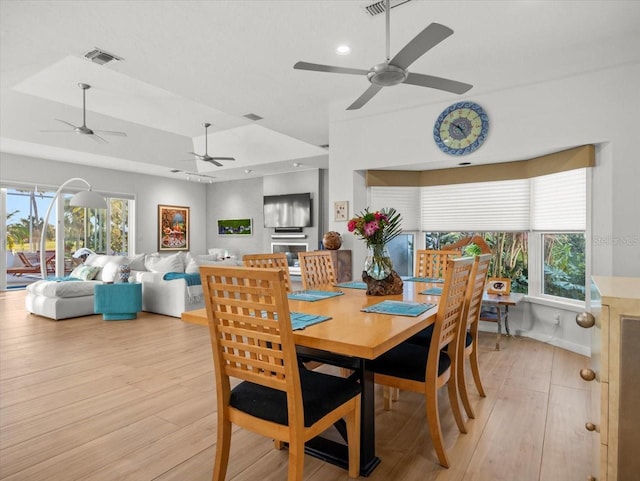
(576, 306)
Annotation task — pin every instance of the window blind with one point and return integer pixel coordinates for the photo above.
(559, 201)
(482, 206)
(406, 200)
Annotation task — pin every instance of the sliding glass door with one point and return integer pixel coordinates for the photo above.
(102, 231)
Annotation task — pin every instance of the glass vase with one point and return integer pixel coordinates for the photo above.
(378, 263)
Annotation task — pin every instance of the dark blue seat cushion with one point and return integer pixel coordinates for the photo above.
(423, 338)
(321, 394)
(408, 361)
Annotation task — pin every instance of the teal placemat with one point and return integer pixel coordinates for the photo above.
(353, 285)
(299, 320)
(399, 308)
(423, 279)
(311, 295)
(434, 291)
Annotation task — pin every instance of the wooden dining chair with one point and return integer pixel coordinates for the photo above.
(433, 263)
(429, 263)
(276, 260)
(251, 339)
(316, 269)
(468, 341)
(425, 369)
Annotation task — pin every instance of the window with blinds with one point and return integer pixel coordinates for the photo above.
(405, 200)
(554, 202)
(559, 201)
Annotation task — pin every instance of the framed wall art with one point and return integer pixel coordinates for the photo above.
(173, 228)
(340, 210)
(235, 227)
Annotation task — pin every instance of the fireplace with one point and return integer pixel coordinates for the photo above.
(291, 249)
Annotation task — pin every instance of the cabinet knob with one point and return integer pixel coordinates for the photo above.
(587, 374)
(591, 427)
(592, 478)
(585, 319)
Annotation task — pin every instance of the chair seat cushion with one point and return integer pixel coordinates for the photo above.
(423, 338)
(408, 361)
(321, 394)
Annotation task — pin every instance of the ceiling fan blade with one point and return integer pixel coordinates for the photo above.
(437, 83)
(197, 155)
(365, 97)
(97, 138)
(67, 123)
(64, 131)
(327, 68)
(213, 162)
(111, 132)
(223, 158)
(423, 42)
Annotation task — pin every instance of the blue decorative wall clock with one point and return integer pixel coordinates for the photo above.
(461, 128)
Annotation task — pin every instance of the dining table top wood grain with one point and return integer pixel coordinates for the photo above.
(350, 331)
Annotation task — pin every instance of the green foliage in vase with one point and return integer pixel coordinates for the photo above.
(376, 228)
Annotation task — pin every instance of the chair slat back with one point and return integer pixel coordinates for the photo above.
(316, 268)
(475, 290)
(433, 263)
(265, 261)
(250, 327)
(448, 319)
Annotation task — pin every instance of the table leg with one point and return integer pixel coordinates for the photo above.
(368, 458)
(499, 319)
(336, 453)
(506, 320)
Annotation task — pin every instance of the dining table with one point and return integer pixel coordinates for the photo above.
(349, 338)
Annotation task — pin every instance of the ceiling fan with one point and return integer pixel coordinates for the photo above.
(83, 129)
(393, 71)
(206, 157)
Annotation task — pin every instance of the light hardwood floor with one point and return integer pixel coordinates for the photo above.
(93, 400)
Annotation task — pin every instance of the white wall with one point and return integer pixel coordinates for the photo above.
(244, 199)
(594, 108)
(241, 199)
(149, 192)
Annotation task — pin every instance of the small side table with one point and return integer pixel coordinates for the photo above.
(117, 302)
(496, 315)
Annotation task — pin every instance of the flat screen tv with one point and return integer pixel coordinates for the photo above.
(288, 210)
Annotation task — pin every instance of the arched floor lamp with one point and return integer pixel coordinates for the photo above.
(84, 198)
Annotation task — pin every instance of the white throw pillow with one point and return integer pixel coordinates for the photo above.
(194, 263)
(136, 262)
(219, 253)
(164, 264)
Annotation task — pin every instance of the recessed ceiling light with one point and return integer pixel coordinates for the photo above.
(343, 50)
(247, 171)
(297, 164)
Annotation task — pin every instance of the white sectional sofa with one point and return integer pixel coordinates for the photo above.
(62, 299)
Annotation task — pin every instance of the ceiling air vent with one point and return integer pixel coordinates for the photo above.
(253, 117)
(379, 7)
(100, 57)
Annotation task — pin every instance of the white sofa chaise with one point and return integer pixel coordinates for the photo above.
(73, 298)
(60, 300)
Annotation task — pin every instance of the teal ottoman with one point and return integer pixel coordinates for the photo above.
(117, 302)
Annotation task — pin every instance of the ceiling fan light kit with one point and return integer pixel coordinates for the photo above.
(393, 71)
